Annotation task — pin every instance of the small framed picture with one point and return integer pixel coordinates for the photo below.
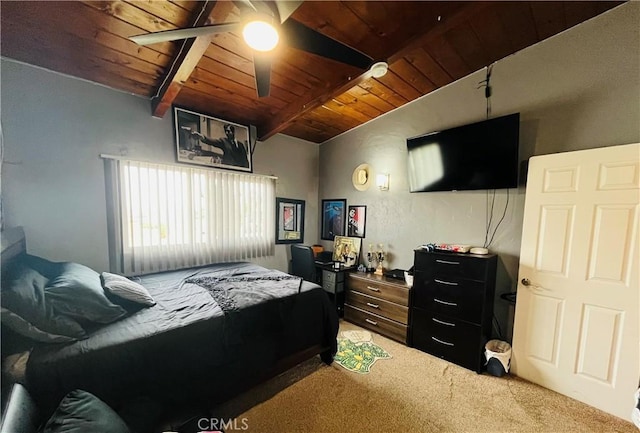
(356, 220)
(333, 216)
(347, 250)
(205, 140)
(289, 221)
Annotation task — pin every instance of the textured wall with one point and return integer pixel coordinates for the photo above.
(55, 127)
(577, 90)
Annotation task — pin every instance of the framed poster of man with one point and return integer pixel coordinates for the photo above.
(333, 216)
(205, 140)
(356, 220)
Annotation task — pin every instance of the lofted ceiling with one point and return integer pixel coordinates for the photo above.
(428, 44)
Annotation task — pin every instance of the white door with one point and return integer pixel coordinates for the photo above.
(577, 315)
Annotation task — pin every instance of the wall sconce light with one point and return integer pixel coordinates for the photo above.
(382, 181)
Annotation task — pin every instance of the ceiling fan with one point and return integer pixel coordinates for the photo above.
(268, 20)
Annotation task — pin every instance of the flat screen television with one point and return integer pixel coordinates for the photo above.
(482, 155)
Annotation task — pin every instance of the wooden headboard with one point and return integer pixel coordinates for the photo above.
(13, 243)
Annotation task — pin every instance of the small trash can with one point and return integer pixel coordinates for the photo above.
(498, 355)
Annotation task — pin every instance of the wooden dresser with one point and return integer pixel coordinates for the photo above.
(452, 306)
(378, 303)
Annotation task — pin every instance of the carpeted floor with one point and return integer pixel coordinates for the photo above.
(411, 392)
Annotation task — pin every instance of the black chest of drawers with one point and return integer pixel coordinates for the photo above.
(452, 306)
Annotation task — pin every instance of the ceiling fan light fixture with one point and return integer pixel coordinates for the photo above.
(379, 69)
(260, 35)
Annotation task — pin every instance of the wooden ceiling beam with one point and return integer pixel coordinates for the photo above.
(182, 66)
(320, 96)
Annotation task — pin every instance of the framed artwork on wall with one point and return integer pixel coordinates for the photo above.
(333, 216)
(205, 140)
(356, 221)
(289, 221)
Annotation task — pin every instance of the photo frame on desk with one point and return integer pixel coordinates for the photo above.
(347, 250)
(333, 218)
(289, 221)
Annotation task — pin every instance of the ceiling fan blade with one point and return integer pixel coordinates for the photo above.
(245, 3)
(304, 38)
(257, 7)
(191, 32)
(262, 66)
(287, 7)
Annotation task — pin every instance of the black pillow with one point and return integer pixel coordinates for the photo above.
(77, 292)
(82, 412)
(51, 302)
(43, 266)
(25, 308)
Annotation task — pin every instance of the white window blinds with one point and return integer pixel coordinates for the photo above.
(170, 217)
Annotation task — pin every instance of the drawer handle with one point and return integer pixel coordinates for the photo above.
(373, 305)
(373, 289)
(371, 321)
(448, 283)
(442, 342)
(447, 262)
(443, 323)
(453, 304)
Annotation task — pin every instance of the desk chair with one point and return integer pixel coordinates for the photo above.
(303, 263)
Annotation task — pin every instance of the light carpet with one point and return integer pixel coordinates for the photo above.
(413, 392)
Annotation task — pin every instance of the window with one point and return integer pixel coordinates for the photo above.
(171, 217)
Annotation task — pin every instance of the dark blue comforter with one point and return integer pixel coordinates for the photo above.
(187, 342)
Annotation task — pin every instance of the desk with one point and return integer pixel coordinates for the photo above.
(332, 281)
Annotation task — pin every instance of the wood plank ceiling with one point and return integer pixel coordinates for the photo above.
(427, 44)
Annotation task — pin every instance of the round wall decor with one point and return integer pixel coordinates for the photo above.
(362, 177)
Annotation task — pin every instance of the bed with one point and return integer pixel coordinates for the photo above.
(211, 333)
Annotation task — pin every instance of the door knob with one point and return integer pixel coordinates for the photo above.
(525, 282)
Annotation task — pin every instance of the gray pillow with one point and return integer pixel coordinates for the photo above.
(124, 288)
(25, 308)
(82, 412)
(77, 292)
